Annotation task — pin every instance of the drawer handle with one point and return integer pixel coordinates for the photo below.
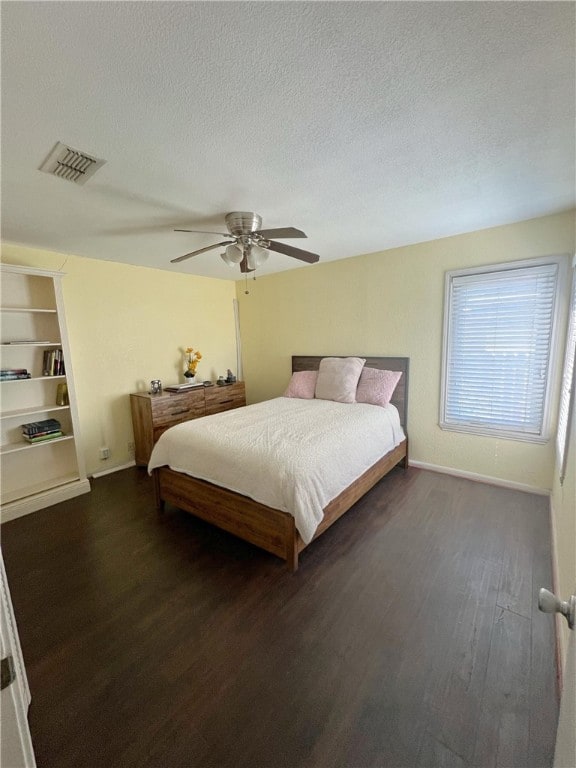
(177, 413)
(223, 402)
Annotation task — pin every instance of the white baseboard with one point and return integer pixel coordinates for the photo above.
(480, 478)
(113, 469)
(44, 499)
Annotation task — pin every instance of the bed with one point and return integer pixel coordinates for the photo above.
(271, 526)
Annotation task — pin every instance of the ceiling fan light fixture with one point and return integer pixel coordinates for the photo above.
(232, 255)
(226, 260)
(256, 256)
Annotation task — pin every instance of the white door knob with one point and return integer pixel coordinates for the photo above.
(549, 603)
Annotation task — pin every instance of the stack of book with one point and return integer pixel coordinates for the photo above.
(53, 364)
(12, 374)
(39, 431)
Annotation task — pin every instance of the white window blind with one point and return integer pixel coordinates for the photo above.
(498, 336)
(567, 392)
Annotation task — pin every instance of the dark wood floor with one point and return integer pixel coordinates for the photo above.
(408, 637)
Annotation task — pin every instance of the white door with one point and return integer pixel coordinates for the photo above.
(16, 745)
(565, 755)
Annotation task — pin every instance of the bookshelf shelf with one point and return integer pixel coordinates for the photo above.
(35, 411)
(34, 378)
(25, 446)
(30, 344)
(29, 309)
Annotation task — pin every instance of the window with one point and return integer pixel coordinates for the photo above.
(498, 332)
(567, 392)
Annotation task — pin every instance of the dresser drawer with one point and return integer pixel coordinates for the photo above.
(224, 398)
(167, 411)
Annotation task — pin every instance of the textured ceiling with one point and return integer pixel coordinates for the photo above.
(368, 125)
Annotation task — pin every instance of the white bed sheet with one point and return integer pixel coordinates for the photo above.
(290, 454)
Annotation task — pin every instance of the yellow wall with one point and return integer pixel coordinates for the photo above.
(391, 303)
(127, 326)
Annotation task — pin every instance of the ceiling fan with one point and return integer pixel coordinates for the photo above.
(248, 245)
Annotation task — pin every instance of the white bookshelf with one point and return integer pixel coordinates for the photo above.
(35, 475)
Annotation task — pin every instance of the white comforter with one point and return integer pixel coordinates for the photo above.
(290, 454)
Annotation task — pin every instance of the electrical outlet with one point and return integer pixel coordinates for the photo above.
(104, 453)
(131, 449)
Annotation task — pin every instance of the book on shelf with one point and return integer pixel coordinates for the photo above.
(29, 435)
(15, 376)
(45, 425)
(44, 438)
(53, 363)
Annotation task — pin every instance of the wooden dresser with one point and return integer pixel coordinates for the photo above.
(154, 414)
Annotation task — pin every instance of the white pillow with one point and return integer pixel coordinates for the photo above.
(338, 378)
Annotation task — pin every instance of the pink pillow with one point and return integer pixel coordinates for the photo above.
(302, 385)
(338, 378)
(377, 387)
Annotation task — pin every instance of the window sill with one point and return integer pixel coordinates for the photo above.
(499, 434)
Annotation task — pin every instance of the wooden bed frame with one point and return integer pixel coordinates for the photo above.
(268, 528)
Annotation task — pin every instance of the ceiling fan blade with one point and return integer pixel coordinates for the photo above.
(204, 232)
(296, 253)
(244, 266)
(200, 250)
(282, 232)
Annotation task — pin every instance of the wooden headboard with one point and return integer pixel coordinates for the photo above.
(400, 396)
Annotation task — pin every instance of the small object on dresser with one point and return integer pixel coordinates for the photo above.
(230, 378)
(183, 387)
(155, 387)
(191, 360)
(221, 381)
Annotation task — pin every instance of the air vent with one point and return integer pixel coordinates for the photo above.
(70, 164)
